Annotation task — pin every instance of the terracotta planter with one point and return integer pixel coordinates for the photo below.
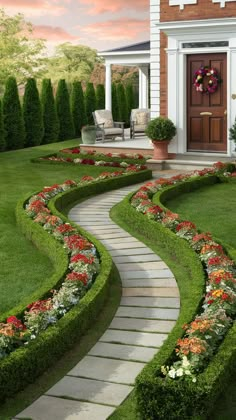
(160, 149)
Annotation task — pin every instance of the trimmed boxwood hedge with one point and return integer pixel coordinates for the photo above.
(157, 397)
(22, 366)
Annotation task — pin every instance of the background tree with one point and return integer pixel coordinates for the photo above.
(12, 116)
(32, 114)
(122, 105)
(115, 108)
(100, 96)
(21, 55)
(75, 61)
(49, 113)
(66, 129)
(2, 132)
(130, 99)
(77, 107)
(90, 102)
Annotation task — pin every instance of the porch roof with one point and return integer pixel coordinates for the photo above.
(128, 55)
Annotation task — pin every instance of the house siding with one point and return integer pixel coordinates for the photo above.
(154, 58)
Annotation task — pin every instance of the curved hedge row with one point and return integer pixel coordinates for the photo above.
(24, 364)
(157, 397)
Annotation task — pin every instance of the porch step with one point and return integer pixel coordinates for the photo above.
(186, 164)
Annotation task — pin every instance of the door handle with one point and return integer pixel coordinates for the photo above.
(225, 113)
(205, 113)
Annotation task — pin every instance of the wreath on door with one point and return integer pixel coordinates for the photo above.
(213, 79)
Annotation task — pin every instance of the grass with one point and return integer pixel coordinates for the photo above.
(23, 268)
(213, 210)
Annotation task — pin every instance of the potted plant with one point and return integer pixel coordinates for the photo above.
(160, 130)
(88, 134)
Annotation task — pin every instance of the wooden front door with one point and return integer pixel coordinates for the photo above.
(207, 112)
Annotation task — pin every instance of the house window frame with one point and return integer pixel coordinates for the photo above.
(182, 3)
(222, 2)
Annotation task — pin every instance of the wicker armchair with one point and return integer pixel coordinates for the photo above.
(106, 127)
(139, 119)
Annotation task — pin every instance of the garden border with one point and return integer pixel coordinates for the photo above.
(23, 365)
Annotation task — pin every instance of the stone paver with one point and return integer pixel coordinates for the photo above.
(104, 369)
(133, 338)
(147, 313)
(123, 352)
(151, 302)
(52, 408)
(150, 291)
(90, 390)
(137, 324)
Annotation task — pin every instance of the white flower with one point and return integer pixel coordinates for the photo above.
(172, 373)
(187, 372)
(180, 372)
(194, 380)
(185, 362)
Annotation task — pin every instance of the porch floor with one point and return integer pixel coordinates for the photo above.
(141, 144)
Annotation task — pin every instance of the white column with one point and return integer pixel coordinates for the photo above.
(231, 108)
(108, 101)
(143, 87)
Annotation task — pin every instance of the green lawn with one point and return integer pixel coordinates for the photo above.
(23, 268)
(213, 210)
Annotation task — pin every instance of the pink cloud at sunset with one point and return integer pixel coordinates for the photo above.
(35, 7)
(51, 33)
(120, 29)
(102, 6)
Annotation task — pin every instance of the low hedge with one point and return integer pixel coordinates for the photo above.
(23, 365)
(160, 398)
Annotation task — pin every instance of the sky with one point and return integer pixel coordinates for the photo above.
(99, 24)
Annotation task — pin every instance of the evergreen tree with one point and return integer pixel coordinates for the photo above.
(122, 105)
(130, 100)
(66, 129)
(100, 97)
(77, 107)
(32, 114)
(90, 102)
(115, 108)
(2, 132)
(49, 113)
(12, 116)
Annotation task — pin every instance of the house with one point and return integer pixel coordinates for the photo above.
(189, 39)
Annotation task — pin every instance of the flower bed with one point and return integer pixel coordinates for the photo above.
(59, 308)
(115, 157)
(203, 336)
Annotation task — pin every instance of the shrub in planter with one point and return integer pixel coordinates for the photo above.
(88, 134)
(160, 130)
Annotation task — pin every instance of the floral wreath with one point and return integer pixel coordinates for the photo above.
(213, 81)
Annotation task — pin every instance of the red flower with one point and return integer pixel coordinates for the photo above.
(75, 150)
(40, 305)
(16, 322)
(83, 277)
(81, 257)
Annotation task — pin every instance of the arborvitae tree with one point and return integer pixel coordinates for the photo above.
(122, 105)
(12, 116)
(50, 120)
(77, 107)
(66, 129)
(90, 102)
(100, 97)
(2, 132)
(115, 108)
(130, 100)
(32, 114)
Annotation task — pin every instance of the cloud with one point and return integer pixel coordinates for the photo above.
(118, 30)
(34, 7)
(96, 7)
(54, 34)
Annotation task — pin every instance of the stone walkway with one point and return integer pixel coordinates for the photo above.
(148, 311)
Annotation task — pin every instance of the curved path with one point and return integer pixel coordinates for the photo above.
(148, 310)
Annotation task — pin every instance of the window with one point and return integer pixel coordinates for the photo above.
(205, 44)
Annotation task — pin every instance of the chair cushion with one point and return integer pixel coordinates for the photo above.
(104, 116)
(113, 131)
(140, 127)
(142, 118)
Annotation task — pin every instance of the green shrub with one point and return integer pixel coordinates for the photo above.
(66, 129)
(2, 131)
(49, 113)
(129, 93)
(122, 105)
(90, 103)
(115, 108)
(77, 107)
(100, 97)
(32, 114)
(160, 129)
(12, 116)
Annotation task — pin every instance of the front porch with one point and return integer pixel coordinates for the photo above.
(142, 145)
